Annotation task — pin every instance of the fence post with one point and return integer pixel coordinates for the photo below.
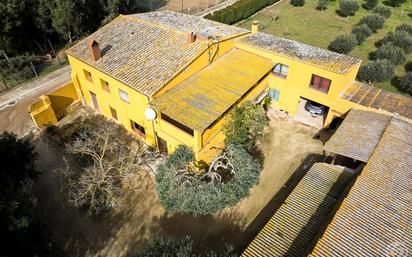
(51, 46)
(34, 70)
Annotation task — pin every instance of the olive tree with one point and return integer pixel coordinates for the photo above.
(108, 165)
(383, 11)
(370, 4)
(393, 53)
(377, 71)
(374, 21)
(246, 125)
(406, 83)
(323, 5)
(361, 32)
(399, 38)
(348, 7)
(405, 27)
(343, 44)
(181, 188)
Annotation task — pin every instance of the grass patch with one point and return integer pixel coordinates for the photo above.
(318, 28)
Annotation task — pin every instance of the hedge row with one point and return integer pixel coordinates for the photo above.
(238, 11)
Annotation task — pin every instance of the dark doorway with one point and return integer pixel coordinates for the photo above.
(162, 145)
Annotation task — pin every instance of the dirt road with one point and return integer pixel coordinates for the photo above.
(14, 104)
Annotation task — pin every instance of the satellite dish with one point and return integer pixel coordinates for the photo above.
(150, 114)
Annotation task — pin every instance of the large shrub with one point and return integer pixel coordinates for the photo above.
(348, 7)
(377, 71)
(170, 247)
(396, 3)
(399, 38)
(246, 125)
(16, 68)
(297, 2)
(181, 191)
(406, 83)
(361, 32)
(240, 10)
(370, 4)
(405, 27)
(323, 4)
(394, 54)
(343, 44)
(373, 21)
(383, 11)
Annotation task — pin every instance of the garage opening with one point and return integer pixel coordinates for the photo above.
(311, 113)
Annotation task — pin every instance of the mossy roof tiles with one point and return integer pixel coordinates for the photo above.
(146, 51)
(201, 99)
(315, 56)
(373, 97)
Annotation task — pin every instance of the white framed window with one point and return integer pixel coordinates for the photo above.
(124, 96)
(281, 70)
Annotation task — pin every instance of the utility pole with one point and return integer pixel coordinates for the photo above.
(34, 70)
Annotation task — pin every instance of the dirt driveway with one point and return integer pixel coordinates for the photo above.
(288, 148)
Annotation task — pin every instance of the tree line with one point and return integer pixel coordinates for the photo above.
(26, 25)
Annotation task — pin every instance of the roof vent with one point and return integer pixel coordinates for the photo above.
(94, 49)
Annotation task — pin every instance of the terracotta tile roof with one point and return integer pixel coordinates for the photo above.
(200, 100)
(375, 219)
(358, 135)
(373, 97)
(144, 51)
(315, 56)
(188, 23)
(292, 228)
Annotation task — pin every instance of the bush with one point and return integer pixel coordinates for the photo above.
(370, 4)
(361, 32)
(394, 54)
(405, 27)
(343, 44)
(383, 11)
(246, 125)
(406, 83)
(297, 2)
(184, 192)
(239, 10)
(348, 7)
(377, 71)
(374, 21)
(400, 39)
(16, 68)
(170, 247)
(323, 4)
(396, 3)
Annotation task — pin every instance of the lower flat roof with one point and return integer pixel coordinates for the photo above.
(201, 99)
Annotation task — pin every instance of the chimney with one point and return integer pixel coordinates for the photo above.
(191, 37)
(255, 26)
(94, 49)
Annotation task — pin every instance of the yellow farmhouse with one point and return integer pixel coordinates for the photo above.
(171, 78)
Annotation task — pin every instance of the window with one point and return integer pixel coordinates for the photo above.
(274, 94)
(138, 129)
(113, 112)
(105, 85)
(281, 70)
(320, 83)
(124, 96)
(88, 75)
(177, 124)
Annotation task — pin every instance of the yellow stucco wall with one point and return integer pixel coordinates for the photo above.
(296, 84)
(52, 107)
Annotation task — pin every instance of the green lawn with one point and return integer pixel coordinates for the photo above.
(308, 25)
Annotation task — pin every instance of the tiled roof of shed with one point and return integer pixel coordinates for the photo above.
(201, 99)
(319, 57)
(373, 97)
(143, 52)
(358, 135)
(188, 23)
(292, 228)
(375, 219)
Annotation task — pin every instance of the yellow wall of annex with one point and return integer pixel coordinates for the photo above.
(296, 84)
(126, 111)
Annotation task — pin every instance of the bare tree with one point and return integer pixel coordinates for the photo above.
(109, 164)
